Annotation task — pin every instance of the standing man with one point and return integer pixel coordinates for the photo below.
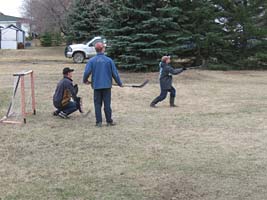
(64, 94)
(103, 70)
(166, 72)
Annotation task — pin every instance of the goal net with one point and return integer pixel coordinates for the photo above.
(22, 101)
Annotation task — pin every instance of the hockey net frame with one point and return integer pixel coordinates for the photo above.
(21, 81)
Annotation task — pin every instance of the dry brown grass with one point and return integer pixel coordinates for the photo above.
(213, 146)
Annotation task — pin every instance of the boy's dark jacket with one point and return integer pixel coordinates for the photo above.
(166, 72)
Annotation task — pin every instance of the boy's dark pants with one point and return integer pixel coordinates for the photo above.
(163, 95)
(103, 95)
(68, 109)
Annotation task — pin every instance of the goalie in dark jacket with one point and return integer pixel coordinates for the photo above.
(64, 94)
(166, 72)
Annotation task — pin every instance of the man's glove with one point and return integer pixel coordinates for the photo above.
(79, 104)
(184, 68)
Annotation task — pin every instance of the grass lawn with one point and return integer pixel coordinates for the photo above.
(212, 146)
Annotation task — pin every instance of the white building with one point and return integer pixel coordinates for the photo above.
(13, 31)
(11, 37)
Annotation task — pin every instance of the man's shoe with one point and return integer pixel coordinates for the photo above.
(63, 115)
(99, 124)
(173, 105)
(111, 123)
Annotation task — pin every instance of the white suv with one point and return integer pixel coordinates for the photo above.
(79, 52)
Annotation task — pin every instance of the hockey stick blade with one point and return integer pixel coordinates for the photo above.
(138, 86)
(86, 114)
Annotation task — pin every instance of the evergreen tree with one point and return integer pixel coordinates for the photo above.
(141, 32)
(83, 19)
(201, 35)
(46, 39)
(243, 29)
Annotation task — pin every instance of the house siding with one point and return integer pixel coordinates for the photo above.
(11, 36)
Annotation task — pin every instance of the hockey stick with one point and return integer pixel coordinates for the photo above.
(137, 86)
(196, 67)
(131, 85)
(81, 107)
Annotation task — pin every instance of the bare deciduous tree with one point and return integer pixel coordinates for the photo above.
(46, 15)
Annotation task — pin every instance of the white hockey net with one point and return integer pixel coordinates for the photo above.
(22, 101)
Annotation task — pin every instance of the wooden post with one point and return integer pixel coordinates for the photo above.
(23, 110)
(33, 94)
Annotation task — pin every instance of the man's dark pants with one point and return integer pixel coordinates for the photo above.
(100, 96)
(163, 95)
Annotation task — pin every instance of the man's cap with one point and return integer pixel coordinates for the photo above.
(66, 70)
(99, 46)
(165, 58)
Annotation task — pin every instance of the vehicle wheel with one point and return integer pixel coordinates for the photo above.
(78, 57)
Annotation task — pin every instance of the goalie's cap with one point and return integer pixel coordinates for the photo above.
(66, 70)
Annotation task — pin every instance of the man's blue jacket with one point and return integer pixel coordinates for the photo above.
(102, 69)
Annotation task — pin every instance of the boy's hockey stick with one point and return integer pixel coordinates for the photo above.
(196, 67)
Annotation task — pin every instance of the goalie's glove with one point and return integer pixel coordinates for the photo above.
(79, 104)
(76, 89)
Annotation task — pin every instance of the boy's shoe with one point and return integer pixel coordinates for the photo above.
(63, 115)
(152, 105)
(111, 124)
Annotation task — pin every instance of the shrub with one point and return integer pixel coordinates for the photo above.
(46, 39)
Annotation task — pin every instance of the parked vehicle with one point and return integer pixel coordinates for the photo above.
(79, 52)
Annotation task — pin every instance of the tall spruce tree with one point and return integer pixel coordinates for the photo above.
(141, 32)
(243, 28)
(83, 19)
(201, 34)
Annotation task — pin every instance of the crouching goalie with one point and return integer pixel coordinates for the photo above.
(65, 98)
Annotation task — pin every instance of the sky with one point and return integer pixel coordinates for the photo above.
(11, 7)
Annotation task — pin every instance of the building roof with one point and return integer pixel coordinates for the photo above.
(8, 18)
(11, 26)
